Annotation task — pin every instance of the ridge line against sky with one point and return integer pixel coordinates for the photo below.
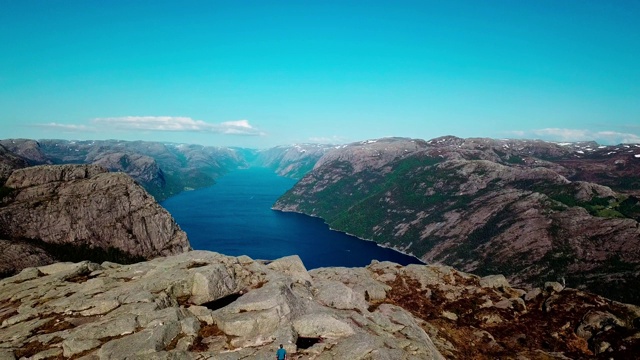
(264, 73)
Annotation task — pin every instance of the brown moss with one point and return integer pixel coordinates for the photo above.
(550, 327)
(55, 324)
(8, 309)
(31, 348)
(205, 331)
(172, 345)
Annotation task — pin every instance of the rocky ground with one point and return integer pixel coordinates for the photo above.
(203, 305)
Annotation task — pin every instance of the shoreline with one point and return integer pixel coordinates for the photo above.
(352, 235)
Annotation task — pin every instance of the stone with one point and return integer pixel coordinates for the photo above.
(337, 295)
(143, 343)
(532, 294)
(293, 267)
(212, 282)
(494, 281)
(321, 325)
(202, 313)
(72, 347)
(553, 286)
(7, 354)
(47, 354)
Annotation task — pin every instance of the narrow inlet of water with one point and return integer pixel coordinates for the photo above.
(234, 217)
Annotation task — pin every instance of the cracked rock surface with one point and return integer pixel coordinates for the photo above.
(204, 305)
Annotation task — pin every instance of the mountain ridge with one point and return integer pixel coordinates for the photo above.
(488, 206)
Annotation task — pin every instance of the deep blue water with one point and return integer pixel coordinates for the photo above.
(234, 217)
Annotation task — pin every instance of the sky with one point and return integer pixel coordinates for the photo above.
(265, 73)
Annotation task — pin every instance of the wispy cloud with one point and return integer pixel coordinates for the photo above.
(67, 127)
(162, 123)
(177, 123)
(570, 135)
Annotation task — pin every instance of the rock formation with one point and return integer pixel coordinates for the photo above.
(523, 208)
(163, 169)
(204, 305)
(60, 211)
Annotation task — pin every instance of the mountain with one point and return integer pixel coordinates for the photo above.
(9, 162)
(75, 212)
(535, 211)
(292, 161)
(163, 169)
(204, 305)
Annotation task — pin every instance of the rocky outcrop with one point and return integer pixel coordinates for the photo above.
(521, 208)
(204, 305)
(162, 169)
(291, 161)
(63, 209)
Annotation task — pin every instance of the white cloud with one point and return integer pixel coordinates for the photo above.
(67, 127)
(571, 135)
(160, 123)
(176, 123)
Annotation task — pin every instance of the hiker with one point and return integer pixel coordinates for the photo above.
(281, 354)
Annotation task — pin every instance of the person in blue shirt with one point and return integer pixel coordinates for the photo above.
(281, 354)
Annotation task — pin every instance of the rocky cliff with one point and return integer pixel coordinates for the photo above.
(203, 305)
(52, 212)
(528, 209)
(163, 169)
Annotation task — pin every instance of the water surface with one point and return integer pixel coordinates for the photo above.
(234, 217)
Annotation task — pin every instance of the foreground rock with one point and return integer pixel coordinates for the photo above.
(203, 305)
(61, 210)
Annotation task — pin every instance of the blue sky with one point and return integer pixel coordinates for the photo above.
(266, 73)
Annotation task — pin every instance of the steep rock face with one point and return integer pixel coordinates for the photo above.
(486, 206)
(18, 255)
(203, 305)
(87, 207)
(292, 161)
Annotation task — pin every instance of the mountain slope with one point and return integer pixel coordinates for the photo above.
(487, 206)
(291, 161)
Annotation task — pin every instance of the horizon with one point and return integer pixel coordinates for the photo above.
(265, 74)
(561, 143)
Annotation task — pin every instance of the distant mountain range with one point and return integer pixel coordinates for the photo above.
(532, 210)
(163, 169)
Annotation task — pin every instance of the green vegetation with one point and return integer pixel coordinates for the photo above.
(515, 160)
(564, 195)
